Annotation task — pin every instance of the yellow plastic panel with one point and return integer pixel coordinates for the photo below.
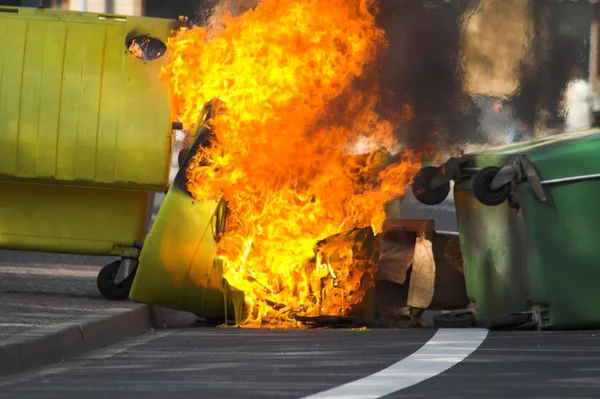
(177, 267)
(51, 218)
(76, 106)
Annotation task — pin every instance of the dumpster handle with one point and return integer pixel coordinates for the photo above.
(9, 10)
(517, 170)
(571, 179)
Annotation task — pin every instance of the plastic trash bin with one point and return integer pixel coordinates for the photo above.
(529, 225)
(85, 133)
(178, 267)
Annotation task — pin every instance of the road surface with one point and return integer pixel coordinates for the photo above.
(202, 362)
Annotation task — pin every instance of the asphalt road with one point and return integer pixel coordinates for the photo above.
(206, 362)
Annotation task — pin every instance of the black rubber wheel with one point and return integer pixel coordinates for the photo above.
(508, 322)
(482, 187)
(454, 320)
(181, 156)
(106, 283)
(421, 190)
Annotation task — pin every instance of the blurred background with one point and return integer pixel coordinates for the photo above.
(473, 71)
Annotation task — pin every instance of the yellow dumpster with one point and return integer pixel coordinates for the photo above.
(178, 267)
(85, 133)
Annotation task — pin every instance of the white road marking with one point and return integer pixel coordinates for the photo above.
(445, 349)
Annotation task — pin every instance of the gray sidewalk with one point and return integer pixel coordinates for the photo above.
(41, 289)
(35, 294)
(50, 310)
(50, 307)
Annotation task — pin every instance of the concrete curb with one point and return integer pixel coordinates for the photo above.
(55, 343)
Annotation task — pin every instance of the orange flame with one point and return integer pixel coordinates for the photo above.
(288, 72)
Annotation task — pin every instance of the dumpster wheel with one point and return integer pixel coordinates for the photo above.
(106, 283)
(482, 187)
(421, 190)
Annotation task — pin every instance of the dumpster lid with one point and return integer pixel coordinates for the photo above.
(539, 144)
(563, 156)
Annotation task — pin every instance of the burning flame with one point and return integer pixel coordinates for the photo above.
(289, 73)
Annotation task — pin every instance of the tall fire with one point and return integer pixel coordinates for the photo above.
(294, 77)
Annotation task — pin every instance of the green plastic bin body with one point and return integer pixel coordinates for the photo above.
(542, 256)
(85, 130)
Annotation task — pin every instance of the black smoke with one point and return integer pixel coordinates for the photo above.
(422, 67)
(422, 64)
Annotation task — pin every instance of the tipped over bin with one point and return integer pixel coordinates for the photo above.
(178, 265)
(529, 225)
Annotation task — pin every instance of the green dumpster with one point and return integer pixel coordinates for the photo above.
(529, 226)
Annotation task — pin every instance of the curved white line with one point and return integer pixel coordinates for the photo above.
(445, 349)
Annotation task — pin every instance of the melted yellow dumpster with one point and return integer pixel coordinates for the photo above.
(179, 267)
